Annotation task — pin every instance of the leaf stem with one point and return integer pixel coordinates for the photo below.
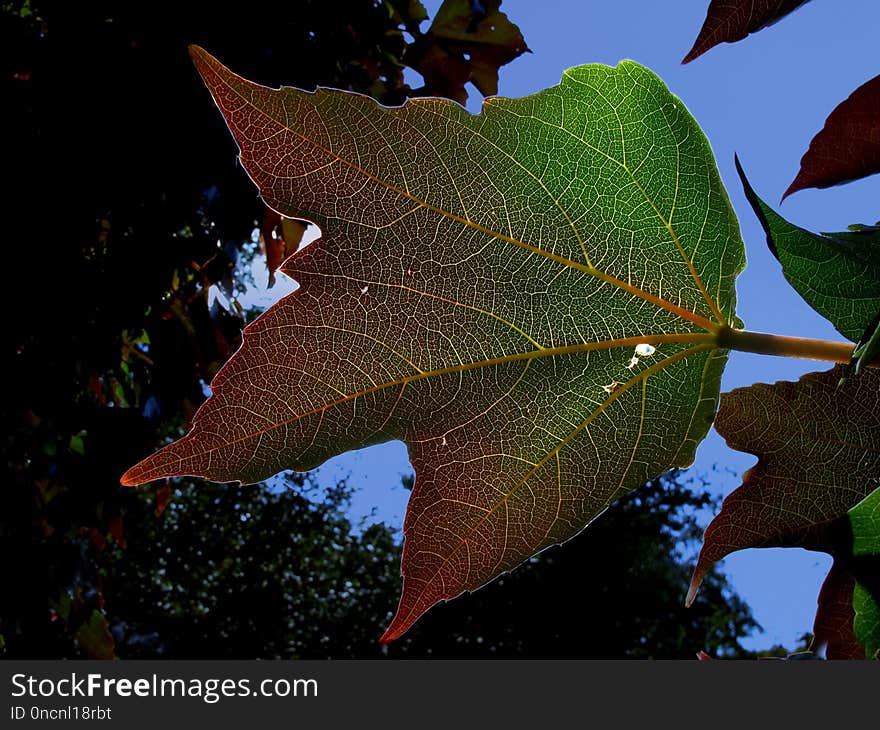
(766, 344)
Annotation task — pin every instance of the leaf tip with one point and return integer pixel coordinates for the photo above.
(793, 188)
(691, 55)
(164, 463)
(132, 477)
(693, 589)
(197, 53)
(201, 58)
(408, 612)
(391, 633)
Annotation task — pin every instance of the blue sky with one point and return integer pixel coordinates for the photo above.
(764, 98)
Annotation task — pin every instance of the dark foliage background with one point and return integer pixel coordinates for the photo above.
(123, 205)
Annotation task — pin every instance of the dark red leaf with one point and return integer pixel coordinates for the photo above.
(817, 458)
(728, 21)
(848, 147)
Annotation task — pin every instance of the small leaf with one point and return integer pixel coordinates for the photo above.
(838, 274)
(848, 146)
(409, 13)
(728, 21)
(818, 449)
(77, 443)
(480, 290)
(280, 237)
(94, 638)
(468, 41)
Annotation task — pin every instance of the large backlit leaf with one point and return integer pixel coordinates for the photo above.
(482, 290)
(838, 274)
(728, 21)
(848, 146)
(818, 449)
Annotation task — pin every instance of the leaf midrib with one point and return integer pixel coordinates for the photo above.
(698, 338)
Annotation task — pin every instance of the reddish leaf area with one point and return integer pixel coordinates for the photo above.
(833, 627)
(816, 452)
(848, 147)
(728, 21)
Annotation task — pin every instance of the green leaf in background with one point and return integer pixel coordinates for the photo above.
(529, 298)
(864, 520)
(837, 274)
(866, 623)
(467, 42)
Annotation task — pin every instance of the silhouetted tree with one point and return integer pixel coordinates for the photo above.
(279, 572)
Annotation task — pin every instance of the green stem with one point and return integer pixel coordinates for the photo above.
(764, 344)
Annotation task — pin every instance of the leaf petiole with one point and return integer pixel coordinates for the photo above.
(767, 344)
